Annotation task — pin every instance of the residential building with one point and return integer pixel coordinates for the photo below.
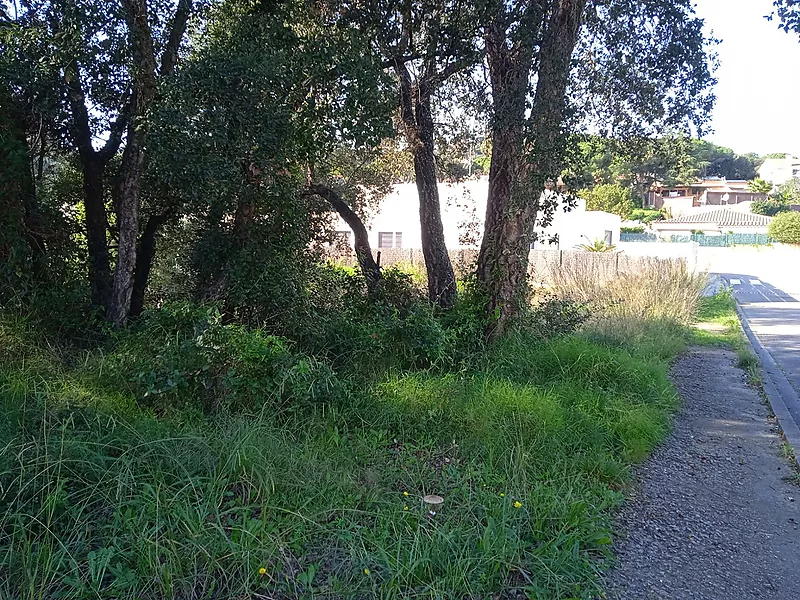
(716, 221)
(712, 191)
(779, 170)
(395, 222)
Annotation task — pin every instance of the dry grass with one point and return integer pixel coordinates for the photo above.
(628, 307)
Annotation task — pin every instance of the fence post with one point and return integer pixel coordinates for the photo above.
(560, 258)
(616, 264)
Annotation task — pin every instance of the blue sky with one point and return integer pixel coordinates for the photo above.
(758, 94)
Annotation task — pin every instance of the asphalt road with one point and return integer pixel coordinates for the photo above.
(767, 287)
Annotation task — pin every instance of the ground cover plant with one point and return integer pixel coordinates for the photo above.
(190, 457)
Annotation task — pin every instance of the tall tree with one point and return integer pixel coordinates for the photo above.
(106, 54)
(426, 43)
(624, 82)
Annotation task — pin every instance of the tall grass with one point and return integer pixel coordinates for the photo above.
(321, 496)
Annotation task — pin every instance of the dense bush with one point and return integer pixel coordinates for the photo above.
(646, 215)
(785, 228)
(184, 357)
(611, 197)
(635, 229)
(769, 207)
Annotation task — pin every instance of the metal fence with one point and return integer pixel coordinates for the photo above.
(718, 241)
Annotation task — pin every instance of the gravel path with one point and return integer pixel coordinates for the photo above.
(713, 517)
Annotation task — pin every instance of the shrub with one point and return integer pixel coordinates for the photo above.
(183, 357)
(611, 197)
(646, 215)
(635, 229)
(769, 207)
(785, 228)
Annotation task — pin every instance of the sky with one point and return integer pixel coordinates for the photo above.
(758, 93)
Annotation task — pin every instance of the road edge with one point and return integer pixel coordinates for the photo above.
(781, 395)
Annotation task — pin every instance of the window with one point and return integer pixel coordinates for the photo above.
(609, 237)
(390, 239)
(342, 237)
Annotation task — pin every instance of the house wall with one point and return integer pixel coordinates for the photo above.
(465, 203)
(779, 170)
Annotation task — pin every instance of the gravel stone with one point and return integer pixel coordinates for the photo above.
(714, 515)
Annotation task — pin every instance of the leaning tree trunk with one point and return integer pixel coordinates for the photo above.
(144, 87)
(370, 269)
(441, 278)
(145, 254)
(516, 181)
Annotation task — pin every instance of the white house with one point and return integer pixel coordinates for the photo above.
(395, 224)
(779, 170)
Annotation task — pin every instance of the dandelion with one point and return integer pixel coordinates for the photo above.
(405, 493)
(502, 495)
(517, 504)
(405, 508)
(262, 571)
(366, 571)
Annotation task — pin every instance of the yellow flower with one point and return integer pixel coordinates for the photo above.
(517, 504)
(405, 508)
(405, 493)
(502, 495)
(366, 571)
(262, 571)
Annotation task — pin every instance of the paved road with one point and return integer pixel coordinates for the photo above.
(766, 283)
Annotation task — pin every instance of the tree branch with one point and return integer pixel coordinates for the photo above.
(169, 58)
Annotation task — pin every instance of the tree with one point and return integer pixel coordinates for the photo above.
(788, 13)
(426, 43)
(612, 198)
(769, 207)
(634, 74)
(759, 186)
(105, 58)
(785, 228)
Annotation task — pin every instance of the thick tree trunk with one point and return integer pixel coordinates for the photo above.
(145, 253)
(517, 180)
(144, 87)
(441, 278)
(370, 269)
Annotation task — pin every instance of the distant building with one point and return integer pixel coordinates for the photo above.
(395, 223)
(711, 191)
(779, 170)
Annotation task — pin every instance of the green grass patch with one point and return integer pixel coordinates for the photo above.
(718, 325)
(297, 494)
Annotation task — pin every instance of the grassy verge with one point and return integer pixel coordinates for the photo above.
(718, 325)
(321, 497)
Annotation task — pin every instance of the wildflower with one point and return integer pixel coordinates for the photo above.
(502, 495)
(366, 571)
(262, 571)
(405, 508)
(405, 493)
(517, 504)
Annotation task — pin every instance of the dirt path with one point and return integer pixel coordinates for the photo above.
(714, 516)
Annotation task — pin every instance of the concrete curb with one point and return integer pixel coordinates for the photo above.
(782, 396)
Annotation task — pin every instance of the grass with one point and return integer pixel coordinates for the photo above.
(719, 325)
(531, 449)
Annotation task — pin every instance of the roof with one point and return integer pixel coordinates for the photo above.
(723, 217)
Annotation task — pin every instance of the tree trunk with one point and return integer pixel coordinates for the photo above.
(144, 87)
(366, 262)
(145, 253)
(96, 232)
(441, 278)
(517, 181)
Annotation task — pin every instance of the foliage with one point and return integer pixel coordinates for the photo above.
(646, 215)
(610, 197)
(529, 449)
(769, 207)
(759, 186)
(182, 358)
(788, 13)
(598, 246)
(785, 228)
(634, 229)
